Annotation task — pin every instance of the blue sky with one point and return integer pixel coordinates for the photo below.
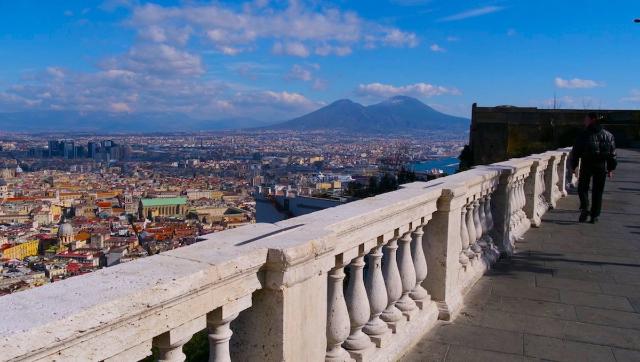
(273, 60)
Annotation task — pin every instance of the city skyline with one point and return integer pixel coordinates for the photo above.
(278, 60)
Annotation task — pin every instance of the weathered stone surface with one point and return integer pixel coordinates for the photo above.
(596, 300)
(464, 354)
(572, 292)
(625, 355)
(555, 349)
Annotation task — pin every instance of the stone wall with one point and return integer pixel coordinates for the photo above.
(500, 133)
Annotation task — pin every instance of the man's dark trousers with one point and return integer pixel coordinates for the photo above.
(599, 177)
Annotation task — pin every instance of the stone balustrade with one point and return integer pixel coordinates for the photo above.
(362, 281)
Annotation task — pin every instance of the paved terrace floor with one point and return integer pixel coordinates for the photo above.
(571, 293)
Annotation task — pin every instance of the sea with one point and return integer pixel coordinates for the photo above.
(447, 164)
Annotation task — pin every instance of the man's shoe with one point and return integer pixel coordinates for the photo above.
(593, 220)
(583, 216)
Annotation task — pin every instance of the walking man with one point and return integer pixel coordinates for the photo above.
(595, 151)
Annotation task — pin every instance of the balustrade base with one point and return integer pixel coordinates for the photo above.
(382, 340)
(338, 356)
(447, 310)
(363, 355)
(407, 336)
(395, 325)
(410, 314)
(423, 302)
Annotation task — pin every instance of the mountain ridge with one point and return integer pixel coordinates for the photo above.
(396, 114)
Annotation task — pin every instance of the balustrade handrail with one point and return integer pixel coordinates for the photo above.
(119, 311)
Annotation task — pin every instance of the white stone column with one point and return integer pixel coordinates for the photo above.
(170, 343)
(562, 174)
(358, 343)
(478, 224)
(419, 294)
(407, 275)
(219, 328)
(483, 219)
(471, 229)
(464, 237)
(219, 336)
(338, 325)
(520, 198)
(393, 282)
(377, 330)
(488, 213)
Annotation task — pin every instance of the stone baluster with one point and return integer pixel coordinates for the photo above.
(464, 237)
(512, 206)
(170, 343)
(219, 336)
(471, 228)
(358, 343)
(488, 213)
(377, 330)
(218, 324)
(338, 325)
(543, 189)
(407, 276)
(172, 352)
(419, 294)
(522, 200)
(483, 223)
(393, 282)
(478, 224)
(517, 199)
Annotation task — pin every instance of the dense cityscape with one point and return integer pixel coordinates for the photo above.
(75, 203)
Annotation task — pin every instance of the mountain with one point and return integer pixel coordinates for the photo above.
(396, 114)
(78, 121)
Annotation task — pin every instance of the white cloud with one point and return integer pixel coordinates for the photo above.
(325, 50)
(397, 38)
(303, 25)
(437, 48)
(586, 102)
(164, 71)
(472, 13)
(319, 84)
(452, 38)
(55, 72)
(299, 72)
(576, 83)
(120, 107)
(161, 59)
(306, 73)
(297, 49)
(634, 96)
(379, 90)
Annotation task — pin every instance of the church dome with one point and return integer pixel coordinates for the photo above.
(65, 230)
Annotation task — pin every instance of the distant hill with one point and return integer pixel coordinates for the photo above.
(77, 121)
(396, 114)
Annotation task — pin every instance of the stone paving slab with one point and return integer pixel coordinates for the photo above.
(571, 293)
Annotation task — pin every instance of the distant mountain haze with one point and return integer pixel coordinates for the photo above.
(396, 114)
(112, 122)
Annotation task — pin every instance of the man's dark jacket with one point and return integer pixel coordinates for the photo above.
(597, 149)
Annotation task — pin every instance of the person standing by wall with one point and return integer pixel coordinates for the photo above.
(595, 151)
